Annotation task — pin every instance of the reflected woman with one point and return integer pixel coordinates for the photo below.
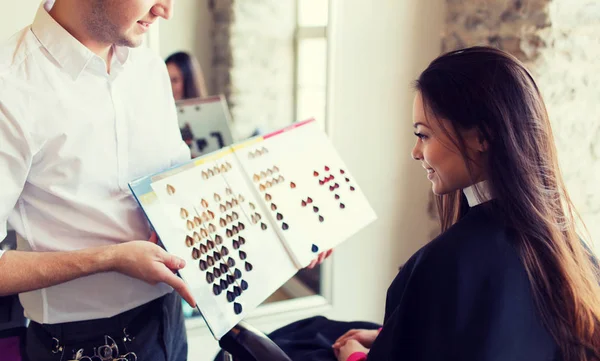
(187, 78)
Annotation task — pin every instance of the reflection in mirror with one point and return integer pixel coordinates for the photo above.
(269, 61)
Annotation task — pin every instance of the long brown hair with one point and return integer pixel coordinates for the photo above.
(193, 77)
(491, 91)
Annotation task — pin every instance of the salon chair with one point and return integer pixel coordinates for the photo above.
(245, 343)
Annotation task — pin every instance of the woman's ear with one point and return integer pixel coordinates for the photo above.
(476, 141)
(483, 143)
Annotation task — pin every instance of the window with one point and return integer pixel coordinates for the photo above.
(311, 59)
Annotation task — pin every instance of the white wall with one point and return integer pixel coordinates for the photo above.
(16, 17)
(190, 29)
(378, 52)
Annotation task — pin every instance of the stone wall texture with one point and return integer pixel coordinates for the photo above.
(559, 41)
(253, 61)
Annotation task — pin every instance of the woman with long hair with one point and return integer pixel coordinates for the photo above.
(510, 277)
(187, 82)
(187, 78)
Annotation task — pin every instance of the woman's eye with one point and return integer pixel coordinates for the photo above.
(420, 135)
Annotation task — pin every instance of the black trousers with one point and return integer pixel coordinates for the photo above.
(156, 332)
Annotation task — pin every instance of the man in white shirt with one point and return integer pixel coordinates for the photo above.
(84, 110)
(81, 114)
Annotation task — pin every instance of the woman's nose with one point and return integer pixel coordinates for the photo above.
(416, 153)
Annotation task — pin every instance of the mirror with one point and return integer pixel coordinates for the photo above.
(269, 61)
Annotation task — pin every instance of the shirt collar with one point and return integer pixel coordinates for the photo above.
(72, 56)
(478, 193)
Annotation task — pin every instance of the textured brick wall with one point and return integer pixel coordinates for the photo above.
(512, 25)
(253, 61)
(559, 40)
(568, 75)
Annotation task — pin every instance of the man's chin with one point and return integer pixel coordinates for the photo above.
(130, 41)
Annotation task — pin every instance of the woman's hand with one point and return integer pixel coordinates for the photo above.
(363, 337)
(351, 346)
(322, 257)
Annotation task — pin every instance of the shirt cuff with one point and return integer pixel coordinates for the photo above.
(357, 356)
(1, 253)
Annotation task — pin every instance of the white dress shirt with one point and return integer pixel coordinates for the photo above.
(71, 138)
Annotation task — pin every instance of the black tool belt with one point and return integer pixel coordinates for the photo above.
(105, 339)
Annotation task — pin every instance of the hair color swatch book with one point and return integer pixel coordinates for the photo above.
(248, 217)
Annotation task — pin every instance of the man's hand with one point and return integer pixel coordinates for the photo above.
(148, 262)
(322, 257)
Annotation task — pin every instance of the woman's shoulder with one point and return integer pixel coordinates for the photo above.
(480, 242)
(477, 256)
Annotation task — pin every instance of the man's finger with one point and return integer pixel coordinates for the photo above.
(173, 262)
(179, 285)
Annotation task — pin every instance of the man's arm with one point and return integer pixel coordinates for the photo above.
(144, 260)
(28, 271)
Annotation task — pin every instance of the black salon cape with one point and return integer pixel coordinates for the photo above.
(464, 296)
